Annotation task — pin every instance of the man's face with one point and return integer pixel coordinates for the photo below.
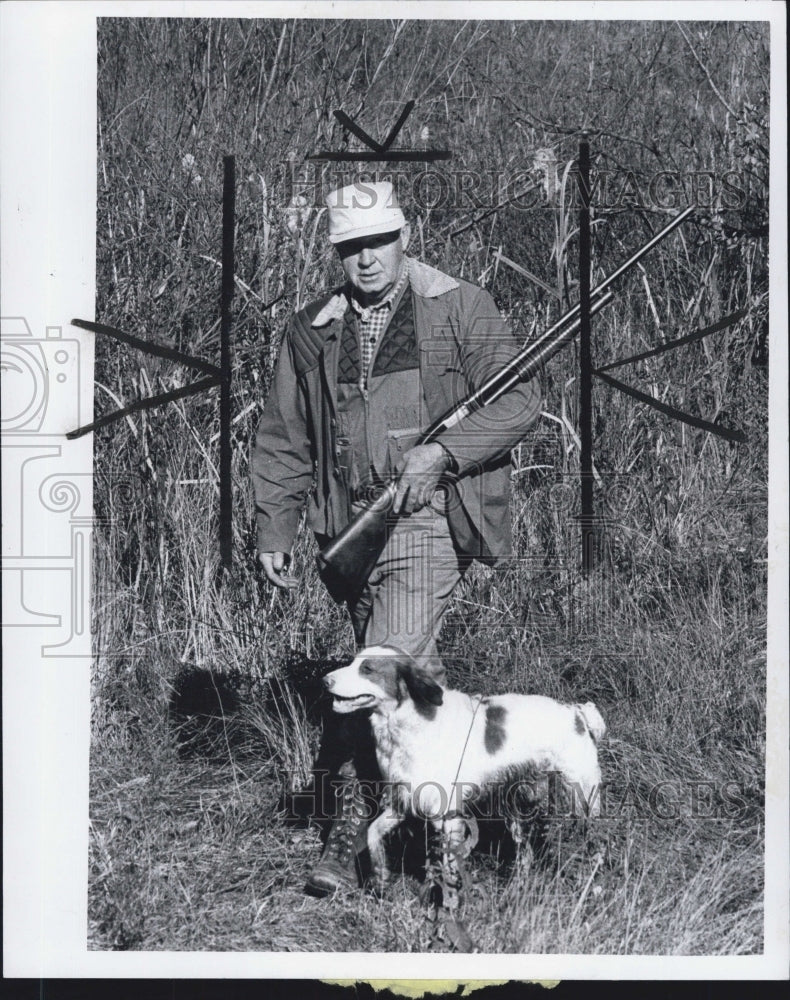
(372, 263)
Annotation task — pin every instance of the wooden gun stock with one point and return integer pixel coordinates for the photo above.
(348, 560)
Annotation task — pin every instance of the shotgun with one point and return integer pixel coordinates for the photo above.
(347, 561)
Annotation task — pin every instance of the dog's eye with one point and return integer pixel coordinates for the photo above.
(365, 669)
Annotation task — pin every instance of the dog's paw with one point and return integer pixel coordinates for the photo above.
(458, 937)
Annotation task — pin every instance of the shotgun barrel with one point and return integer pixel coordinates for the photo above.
(346, 562)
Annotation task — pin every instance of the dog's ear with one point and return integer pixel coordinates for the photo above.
(422, 688)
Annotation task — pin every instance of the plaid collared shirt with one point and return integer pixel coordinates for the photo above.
(372, 321)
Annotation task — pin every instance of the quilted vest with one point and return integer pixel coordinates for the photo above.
(375, 430)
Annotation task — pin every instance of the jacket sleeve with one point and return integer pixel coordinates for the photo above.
(486, 345)
(281, 463)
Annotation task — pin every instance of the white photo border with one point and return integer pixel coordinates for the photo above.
(48, 122)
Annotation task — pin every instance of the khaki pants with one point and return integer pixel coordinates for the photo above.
(407, 594)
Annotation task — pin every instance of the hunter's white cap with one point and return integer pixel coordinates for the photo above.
(363, 209)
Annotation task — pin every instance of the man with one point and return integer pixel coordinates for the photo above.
(360, 373)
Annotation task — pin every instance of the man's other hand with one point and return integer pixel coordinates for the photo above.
(422, 469)
(273, 565)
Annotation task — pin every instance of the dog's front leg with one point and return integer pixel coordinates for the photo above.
(383, 825)
(452, 830)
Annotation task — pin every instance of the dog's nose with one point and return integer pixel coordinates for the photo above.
(329, 682)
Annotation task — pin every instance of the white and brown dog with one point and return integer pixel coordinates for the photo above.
(439, 750)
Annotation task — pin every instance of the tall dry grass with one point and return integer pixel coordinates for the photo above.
(205, 703)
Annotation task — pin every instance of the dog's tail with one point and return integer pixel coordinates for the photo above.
(593, 719)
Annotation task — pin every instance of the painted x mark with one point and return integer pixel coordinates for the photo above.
(360, 133)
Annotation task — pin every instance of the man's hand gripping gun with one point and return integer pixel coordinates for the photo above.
(347, 561)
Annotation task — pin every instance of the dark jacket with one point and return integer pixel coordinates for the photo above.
(462, 340)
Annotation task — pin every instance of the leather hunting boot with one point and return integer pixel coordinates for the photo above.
(347, 839)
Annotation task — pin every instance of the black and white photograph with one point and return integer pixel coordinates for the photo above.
(407, 429)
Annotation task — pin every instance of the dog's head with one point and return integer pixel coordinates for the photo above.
(382, 678)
